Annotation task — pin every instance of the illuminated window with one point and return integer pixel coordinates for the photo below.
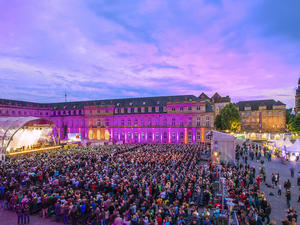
(143, 109)
(181, 108)
(173, 108)
(129, 122)
(198, 107)
(149, 109)
(190, 108)
(135, 122)
(122, 123)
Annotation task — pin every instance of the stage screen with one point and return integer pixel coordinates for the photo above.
(74, 136)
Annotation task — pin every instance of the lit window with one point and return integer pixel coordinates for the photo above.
(198, 107)
(173, 108)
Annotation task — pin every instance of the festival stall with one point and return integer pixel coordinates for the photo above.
(292, 152)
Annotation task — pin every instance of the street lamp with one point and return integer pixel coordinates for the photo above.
(222, 179)
(230, 206)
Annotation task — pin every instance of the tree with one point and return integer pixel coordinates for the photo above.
(289, 116)
(228, 119)
(294, 124)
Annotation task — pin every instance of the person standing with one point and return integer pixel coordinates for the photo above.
(292, 169)
(268, 212)
(288, 197)
(279, 190)
(19, 211)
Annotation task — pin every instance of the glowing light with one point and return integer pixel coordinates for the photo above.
(293, 158)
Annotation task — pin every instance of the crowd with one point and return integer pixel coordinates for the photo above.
(132, 184)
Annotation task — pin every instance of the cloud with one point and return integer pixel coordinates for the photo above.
(113, 49)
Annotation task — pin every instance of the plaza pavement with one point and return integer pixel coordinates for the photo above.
(10, 218)
(278, 203)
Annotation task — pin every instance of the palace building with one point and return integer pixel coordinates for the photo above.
(167, 119)
(262, 115)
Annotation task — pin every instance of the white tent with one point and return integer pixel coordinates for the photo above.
(224, 144)
(294, 148)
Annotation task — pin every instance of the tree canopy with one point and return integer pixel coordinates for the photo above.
(228, 119)
(294, 124)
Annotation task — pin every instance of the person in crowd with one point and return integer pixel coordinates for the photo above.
(131, 184)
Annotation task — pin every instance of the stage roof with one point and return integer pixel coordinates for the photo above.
(9, 126)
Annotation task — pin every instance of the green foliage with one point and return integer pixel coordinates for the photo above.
(294, 124)
(228, 119)
(289, 116)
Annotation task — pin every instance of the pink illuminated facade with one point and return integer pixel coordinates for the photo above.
(168, 119)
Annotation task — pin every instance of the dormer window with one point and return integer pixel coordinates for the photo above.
(144, 103)
(130, 103)
(157, 102)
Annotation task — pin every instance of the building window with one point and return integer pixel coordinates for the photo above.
(122, 110)
(181, 108)
(143, 109)
(157, 122)
(98, 111)
(165, 122)
(173, 135)
(189, 135)
(106, 122)
(190, 121)
(116, 110)
(98, 122)
(129, 135)
(135, 110)
(91, 112)
(135, 122)
(207, 122)
(149, 109)
(173, 122)
(173, 108)
(150, 122)
(165, 135)
(129, 122)
(156, 109)
(150, 136)
(122, 123)
(190, 108)
(181, 123)
(181, 135)
(198, 121)
(198, 136)
(198, 107)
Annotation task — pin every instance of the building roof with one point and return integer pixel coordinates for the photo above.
(203, 96)
(216, 98)
(269, 103)
(147, 101)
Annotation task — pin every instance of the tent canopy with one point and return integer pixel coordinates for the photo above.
(294, 148)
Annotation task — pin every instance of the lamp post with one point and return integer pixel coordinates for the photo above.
(222, 179)
(230, 206)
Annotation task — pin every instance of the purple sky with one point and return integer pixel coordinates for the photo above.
(97, 49)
